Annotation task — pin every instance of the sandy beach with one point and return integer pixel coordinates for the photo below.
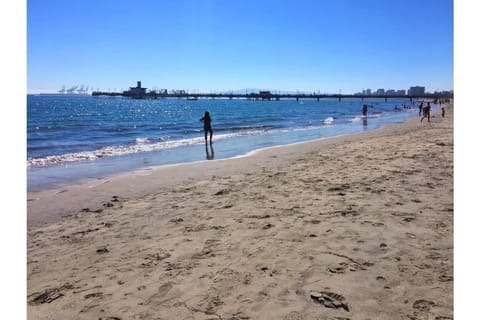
(352, 227)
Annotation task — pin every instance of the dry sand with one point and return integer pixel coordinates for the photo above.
(355, 227)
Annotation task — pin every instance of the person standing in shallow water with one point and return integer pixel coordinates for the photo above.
(207, 125)
(364, 110)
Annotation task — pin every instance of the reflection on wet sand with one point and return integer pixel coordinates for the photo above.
(210, 154)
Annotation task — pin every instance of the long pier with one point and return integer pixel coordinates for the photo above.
(267, 96)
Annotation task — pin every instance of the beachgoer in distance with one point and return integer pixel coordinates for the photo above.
(420, 108)
(364, 110)
(207, 125)
(443, 112)
(426, 112)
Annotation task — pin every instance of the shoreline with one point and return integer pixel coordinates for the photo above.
(355, 227)
(50, 176)
(39, 201)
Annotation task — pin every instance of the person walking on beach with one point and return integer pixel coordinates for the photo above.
(207, 125)
(420, 108)
(426, 112)
(443, 112)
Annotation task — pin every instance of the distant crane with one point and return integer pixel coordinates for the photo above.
(72, 89)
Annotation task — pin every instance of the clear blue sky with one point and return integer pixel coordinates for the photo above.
(326, 46)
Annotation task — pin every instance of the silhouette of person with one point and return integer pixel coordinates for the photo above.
(364, 110)
(443, 112)
(207, 125)
(209, 153)
(420, 108)
(426, 112)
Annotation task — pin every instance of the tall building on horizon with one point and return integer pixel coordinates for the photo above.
(415, 91)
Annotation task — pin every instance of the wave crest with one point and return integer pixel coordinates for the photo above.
(141, 145)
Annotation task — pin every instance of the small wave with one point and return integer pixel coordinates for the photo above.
(141, 145)
(356, 118)
(142, 140)
(328, 120)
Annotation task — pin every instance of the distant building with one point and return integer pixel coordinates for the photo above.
(416, 91)
(390, 92)
(380, 92)
(400, 92)
(265, 95)
(137, 92)
(179, 92)
(368, 92)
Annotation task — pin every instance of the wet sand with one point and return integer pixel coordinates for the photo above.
(353, 227)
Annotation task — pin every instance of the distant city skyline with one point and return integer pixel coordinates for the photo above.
(413, 90)
(213, 46)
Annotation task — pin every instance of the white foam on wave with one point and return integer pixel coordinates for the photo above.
(328, 120)
(141, 145)
(142, 140)
(356, 118)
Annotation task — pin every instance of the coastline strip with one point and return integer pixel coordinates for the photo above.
(50, 204)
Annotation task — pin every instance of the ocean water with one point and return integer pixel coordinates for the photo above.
(70, 137)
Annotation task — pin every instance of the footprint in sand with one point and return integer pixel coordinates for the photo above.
(94, 295)
(162, 291)
(347, 213)
(152, 260)
(342, 267)
(267, 226)
(423, 305)
(445, 278)
(411, 235)
(330, 300)
(49, 295)
(102, 250)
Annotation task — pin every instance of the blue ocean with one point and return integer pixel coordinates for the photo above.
(71, 137)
